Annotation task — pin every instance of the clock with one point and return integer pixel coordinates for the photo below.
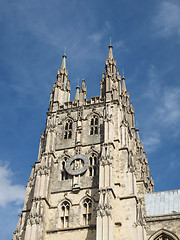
(77, 164)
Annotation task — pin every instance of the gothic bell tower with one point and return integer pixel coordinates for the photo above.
(92, 173)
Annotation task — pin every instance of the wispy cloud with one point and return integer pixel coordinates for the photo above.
(169, 112)
(167, 19)
(98, 36)
(153, 88)
(166, 99)
(9, 191)
(121, 45)
(165, 112)
(151, 141)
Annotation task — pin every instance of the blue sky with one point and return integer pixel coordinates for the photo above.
(33, 34)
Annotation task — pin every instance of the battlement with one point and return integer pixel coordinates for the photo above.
(75, 104)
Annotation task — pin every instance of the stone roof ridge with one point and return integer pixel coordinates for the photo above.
(173, 190)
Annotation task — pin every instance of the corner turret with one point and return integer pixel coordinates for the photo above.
(61, 90)
(111, 80)
(83, 92)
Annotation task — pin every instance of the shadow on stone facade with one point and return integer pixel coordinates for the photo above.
(91, 234)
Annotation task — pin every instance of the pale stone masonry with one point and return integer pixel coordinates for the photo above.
(91, 176)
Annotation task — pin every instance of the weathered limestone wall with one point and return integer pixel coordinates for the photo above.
(125, 214)
(75, 234)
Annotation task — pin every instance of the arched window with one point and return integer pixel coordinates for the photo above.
(68, 130)
(65, 208)
(93, 165)
(94, 125)
(163, 235)
(87, 211)
(64, 174)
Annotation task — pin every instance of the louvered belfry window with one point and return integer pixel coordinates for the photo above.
(87, 211)
(94, 124)
(64, 174)
(93, 165)
(68, 130)
(65, 208)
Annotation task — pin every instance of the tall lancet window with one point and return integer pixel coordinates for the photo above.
(94, 125)
(93, 165)
(65, 208)
(68, 130)
(64, 174)
(87, 211)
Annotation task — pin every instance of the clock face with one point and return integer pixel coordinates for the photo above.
(77, 164)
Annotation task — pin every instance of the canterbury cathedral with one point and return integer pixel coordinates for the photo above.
(91, 180)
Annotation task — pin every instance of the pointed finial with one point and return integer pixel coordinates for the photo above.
(78, 82)
(137, 135)
(63, 65)
(110, 43)
(110, 56)
(83, 82)
(77, 94)
(123, 82)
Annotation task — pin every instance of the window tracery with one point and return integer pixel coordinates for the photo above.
(93, 165)
(163, 236)
(94, 125)
(87, 211)
(68, 130)
(65, 208)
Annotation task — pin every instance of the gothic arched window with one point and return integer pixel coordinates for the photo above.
(94, 125)
(163, 235)
(93, 165)
(87, 211)
(68, 130)
(65, 208)
(64, 174)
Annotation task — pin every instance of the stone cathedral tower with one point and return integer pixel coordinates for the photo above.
(91, 176)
